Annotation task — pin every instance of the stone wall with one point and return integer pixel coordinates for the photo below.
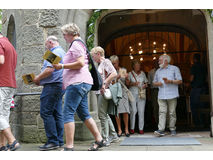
(32, 28)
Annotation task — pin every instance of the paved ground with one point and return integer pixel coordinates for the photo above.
(202, 137)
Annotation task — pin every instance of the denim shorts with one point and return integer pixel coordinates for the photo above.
(76, 100)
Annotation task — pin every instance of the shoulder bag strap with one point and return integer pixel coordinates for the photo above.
(134, 76)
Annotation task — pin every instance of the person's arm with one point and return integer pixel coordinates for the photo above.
(155, 81)
(110, 78)
(2, 59)
(157, 84)
(173, 81)
(46, 73)
(78, 64)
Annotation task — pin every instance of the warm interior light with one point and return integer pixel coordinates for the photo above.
(141, 59)
(154, 43)
(164, 44)
(131, 57)
(154, 51)
(154, 58)
(131, 49)
(140, 52)
(139, 43)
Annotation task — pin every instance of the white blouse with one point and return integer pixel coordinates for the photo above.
(140, 78)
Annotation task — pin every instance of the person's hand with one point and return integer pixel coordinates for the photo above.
(57, 66)
(136, 83)
(102, 90)
(118, 77)
(160, 84)
(36, 80)
(144, 86)
(167, 81)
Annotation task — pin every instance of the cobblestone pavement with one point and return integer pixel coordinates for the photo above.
(202, 137)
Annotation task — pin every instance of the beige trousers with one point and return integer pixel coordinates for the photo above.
(167, 105)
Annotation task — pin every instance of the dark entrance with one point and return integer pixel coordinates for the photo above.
(146, 34)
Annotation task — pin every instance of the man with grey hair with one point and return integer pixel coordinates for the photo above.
(51, 97)
(167, 78)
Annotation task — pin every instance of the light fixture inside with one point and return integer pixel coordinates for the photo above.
(140, 52)
(141, 59)
(154, 51)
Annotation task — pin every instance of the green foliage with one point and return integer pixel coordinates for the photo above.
(91, 27)
(210, 13)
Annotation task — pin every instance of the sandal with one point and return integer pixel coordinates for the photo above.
(99, 145)
(3, 148)
(68, 149)
(14, 146)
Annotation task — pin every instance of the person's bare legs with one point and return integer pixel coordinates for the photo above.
(126, 120)
(69, 133)
(3, 139)
(91, 125)
(118, 121)
(9, 136)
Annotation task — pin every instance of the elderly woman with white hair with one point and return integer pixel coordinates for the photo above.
(77, 81)
(108, 73)
(123, 106)
(167, 78)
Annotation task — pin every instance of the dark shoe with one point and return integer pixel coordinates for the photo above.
(119, 135)
(141, 132)
(3, 148)
(49, 146)
(132, 131)
(159, 133)
(14, 146)
(68, 149)
(99, 145)
(61, 145)
(127, 134)
(173, 132)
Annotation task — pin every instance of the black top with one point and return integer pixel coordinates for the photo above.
(199, 73)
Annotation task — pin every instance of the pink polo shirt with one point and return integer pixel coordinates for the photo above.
(75, 76)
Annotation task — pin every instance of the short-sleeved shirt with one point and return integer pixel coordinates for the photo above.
(7, 70)
(105, 68)
(199, 73)
(75, 76)
(168, 91)
(140, 78)
(56, 75)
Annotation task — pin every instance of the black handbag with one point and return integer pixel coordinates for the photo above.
(97, 79)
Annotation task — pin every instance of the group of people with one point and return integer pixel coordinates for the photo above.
(71, 78)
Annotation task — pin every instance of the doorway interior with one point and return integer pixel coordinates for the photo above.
(145, 35)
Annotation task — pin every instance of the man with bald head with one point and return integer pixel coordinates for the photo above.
(51, 97)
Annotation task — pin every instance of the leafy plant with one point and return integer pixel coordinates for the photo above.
(0, 19)
(210, 13)
(91, 27)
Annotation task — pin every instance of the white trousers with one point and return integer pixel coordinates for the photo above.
(137, 106)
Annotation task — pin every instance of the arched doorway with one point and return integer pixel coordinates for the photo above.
(11, 31)
(146, 34)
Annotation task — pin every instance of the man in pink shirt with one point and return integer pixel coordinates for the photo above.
(8, 60)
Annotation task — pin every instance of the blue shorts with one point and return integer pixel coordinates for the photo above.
(76, 101)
